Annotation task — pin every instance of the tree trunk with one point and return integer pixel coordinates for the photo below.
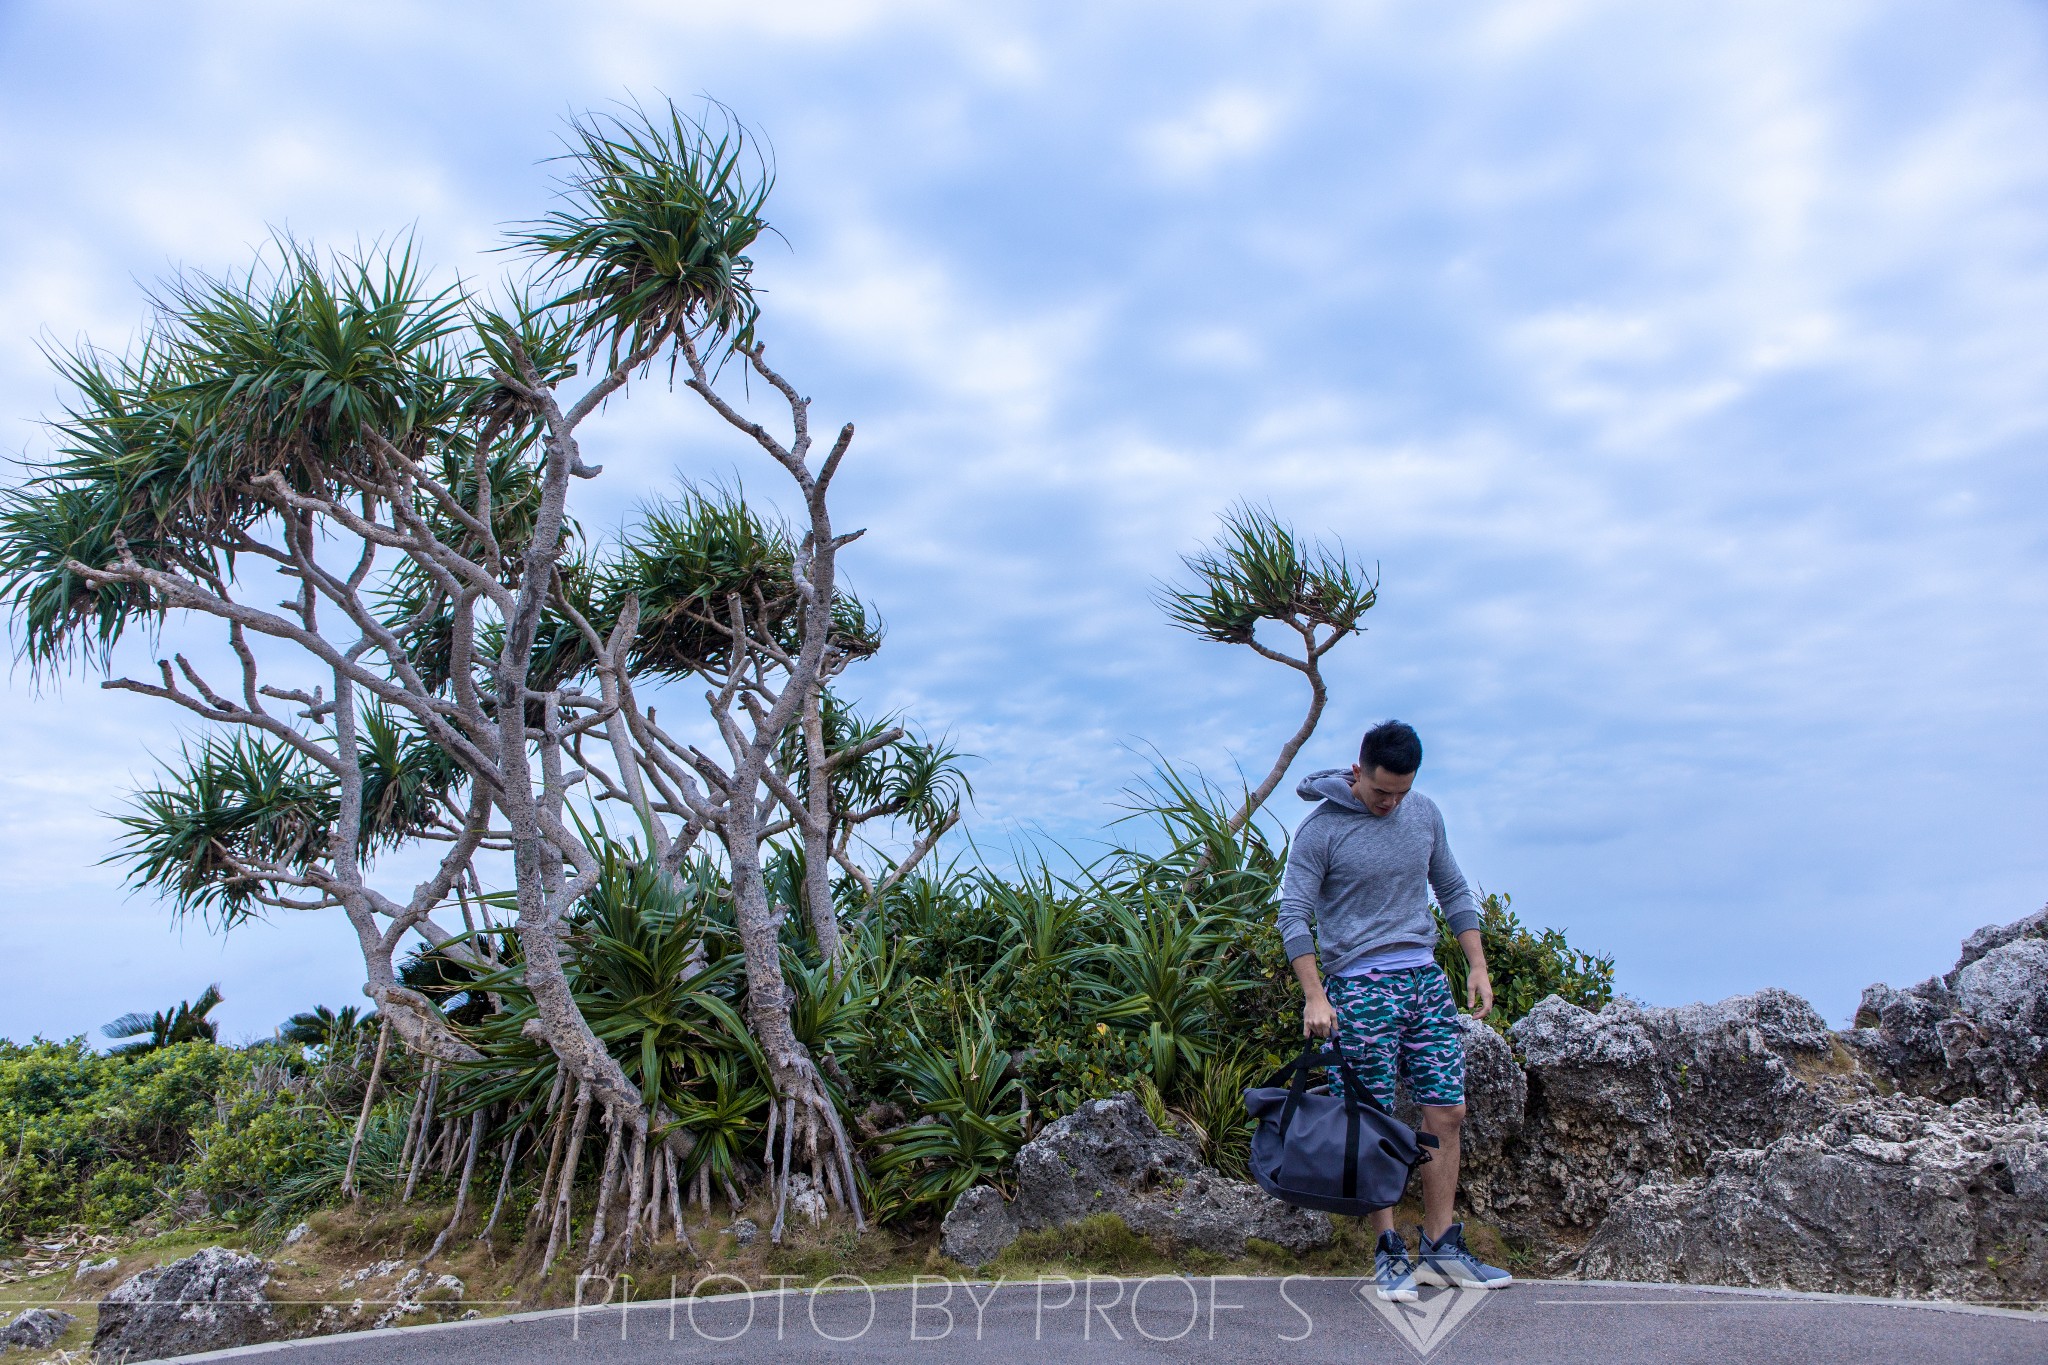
(511, 1160)
(675, 1199)
(824, 916)
(560, 1105)
(607, 1185)
(476, 1137)
(431, 1085)
(558, 1231)
(355, 1145)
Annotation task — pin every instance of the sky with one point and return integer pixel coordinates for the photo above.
(1678, 369)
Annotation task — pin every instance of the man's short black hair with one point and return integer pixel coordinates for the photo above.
(1392, 745)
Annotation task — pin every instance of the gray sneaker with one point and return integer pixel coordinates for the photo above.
(1392, 1271)
(1448, 1262)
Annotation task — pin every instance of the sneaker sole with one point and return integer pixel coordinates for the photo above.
(1430, 1275)
(1398, 1296)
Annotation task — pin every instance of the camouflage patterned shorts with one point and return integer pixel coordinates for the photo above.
(1401, 1021)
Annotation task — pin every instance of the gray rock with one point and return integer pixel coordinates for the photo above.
(205, 1302)
(2008, 986)
(1980, 1030)
(978, 1226)
(1109, 1157)
(1102, 1158)
(414, 1294)
(1898, 1195)
(1998, 935)
(36, 1329)
(380, 1270)
(1633, 1090)
(1218, 1214)
(744, 1231)
(806, 1199)
(297, 1234)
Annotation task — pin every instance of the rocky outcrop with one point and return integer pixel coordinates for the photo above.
(205, 1302)
(1899, 1195)
(1741, 1142)
(1744, 1143)
(1980, 1029)
(36, 1329)
(1109, 1157)
(1631, 1091)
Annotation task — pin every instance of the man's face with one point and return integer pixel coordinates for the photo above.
(1380, 791)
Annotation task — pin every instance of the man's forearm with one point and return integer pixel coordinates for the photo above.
(1475, 948)
(1311, 980)
(1318, 1018)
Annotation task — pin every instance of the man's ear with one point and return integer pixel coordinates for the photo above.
(1354, 772)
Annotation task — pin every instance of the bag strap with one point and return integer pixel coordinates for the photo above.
(1351, 1127)
(1295, 1075)
(1312, 1058)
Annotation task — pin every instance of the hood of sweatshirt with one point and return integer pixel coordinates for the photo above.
(1331, 784)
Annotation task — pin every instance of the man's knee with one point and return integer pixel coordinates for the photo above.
(1442, 1118)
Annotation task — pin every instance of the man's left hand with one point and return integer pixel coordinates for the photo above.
(1478, 992)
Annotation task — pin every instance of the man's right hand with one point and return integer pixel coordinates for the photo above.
(1318, 1018)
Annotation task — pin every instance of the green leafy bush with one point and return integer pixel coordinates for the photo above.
(255, 1145)
(1526, 966)
(94, 1139)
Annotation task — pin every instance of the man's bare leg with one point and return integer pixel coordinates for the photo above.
(1439, 1173)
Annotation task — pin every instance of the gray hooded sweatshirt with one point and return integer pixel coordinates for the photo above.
(1361, 882)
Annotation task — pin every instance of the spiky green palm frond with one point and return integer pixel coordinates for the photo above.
(323, 1027)
(163, 453)
(1259, 570)
(1162, 974)
(661, 211)
(185, 1024)
(690, 561)
(231, 804)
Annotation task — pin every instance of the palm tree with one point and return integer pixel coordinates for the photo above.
(185, 1024)
(323, 1027)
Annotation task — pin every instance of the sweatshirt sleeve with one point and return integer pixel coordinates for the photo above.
(1459, 901)
(1302, 887)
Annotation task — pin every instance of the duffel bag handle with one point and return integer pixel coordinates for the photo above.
(1312, 1057)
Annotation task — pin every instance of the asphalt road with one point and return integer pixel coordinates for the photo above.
(1169, 1318)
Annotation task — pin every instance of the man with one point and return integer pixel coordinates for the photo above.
(1359, 874)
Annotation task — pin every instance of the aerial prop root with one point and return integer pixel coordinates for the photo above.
(807, 1122)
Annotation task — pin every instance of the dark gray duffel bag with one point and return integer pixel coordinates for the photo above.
(1338, 1153)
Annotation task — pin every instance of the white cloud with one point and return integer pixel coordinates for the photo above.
(898, 304)
(1680, 370)
(1228, 125)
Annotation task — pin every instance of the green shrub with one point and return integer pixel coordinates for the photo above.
(255, 1146)
(1525, 967)
(93, 1139)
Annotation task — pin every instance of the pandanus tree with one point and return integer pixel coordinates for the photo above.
(1259, 570)
(454, 663)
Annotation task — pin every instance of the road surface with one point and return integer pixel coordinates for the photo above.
(1245, 1321)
